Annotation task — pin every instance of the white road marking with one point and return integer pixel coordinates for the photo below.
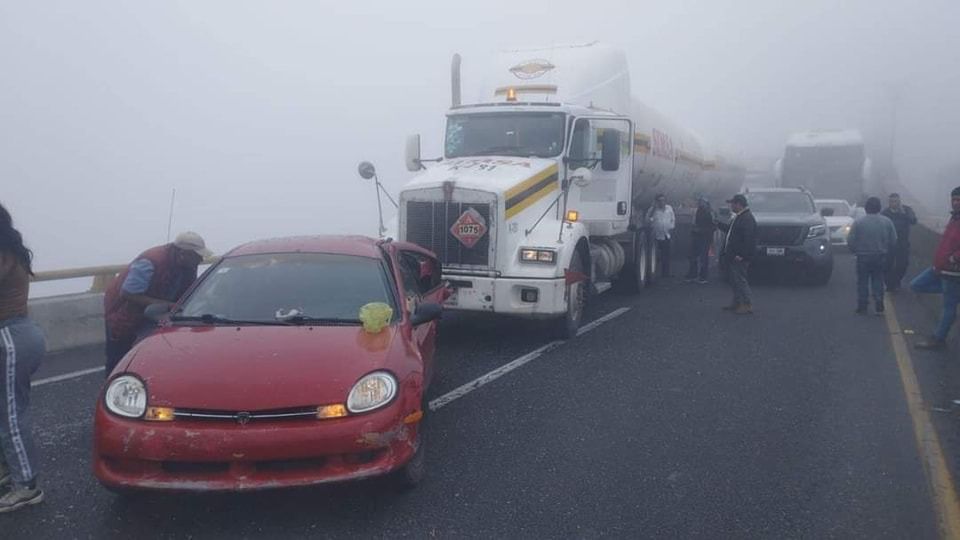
(66, 376)
(465, 389)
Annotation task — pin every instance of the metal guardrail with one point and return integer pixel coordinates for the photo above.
(102, 275)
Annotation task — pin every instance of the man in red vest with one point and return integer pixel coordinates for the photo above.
(159, 275)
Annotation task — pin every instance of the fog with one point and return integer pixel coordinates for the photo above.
(257, 113)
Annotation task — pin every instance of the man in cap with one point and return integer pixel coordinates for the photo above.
(944, 276)
(159, 275)
(898, 259)
(738, 248)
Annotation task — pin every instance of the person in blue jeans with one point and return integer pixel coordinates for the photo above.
(872, 237)
(944, 277)
(22, 348)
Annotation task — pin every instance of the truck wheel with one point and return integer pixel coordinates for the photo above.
(652, 260)
(576, 294)
(633, 277)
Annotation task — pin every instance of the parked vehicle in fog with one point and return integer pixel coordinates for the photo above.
(291, 362)
(838, 214)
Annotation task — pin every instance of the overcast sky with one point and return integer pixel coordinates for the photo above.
(258, 112)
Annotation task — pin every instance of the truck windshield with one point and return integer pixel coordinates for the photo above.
(505, 134)
(780, 202)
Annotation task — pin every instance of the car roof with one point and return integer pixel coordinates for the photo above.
(844, 201)
(359, 246)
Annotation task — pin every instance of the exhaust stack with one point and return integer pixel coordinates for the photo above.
(455, 81)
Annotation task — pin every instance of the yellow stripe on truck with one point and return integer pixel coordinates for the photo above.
(521, 196)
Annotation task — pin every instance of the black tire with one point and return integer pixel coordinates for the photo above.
(653, 259)
(568, 324)
(413, 471)
(821, 276)
(633, 278)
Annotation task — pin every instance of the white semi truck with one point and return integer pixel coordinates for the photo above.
(539, 198)
(832, 164)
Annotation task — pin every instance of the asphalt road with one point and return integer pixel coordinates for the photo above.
(672, 420)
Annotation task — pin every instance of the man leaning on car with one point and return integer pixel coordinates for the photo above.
(159, 275)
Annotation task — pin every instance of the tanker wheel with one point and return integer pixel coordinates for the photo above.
(654, 260)
(576, 293)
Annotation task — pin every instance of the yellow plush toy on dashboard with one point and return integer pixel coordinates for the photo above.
(375, 316)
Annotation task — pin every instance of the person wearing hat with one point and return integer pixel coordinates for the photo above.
(944, 276)
(902, 217)
(738, 248)
(701, 236)
(159, 275)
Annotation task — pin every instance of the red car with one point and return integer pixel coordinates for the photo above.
(264, 375)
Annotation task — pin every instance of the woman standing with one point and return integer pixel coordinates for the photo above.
(22, 348)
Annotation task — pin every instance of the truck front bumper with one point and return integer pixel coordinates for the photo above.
(533, 298)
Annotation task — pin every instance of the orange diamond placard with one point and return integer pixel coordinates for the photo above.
(469, 228)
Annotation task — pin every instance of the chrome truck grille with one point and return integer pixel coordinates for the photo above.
(429, 223)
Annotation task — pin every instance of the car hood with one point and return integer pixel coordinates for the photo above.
(787, 219)
(251, 368)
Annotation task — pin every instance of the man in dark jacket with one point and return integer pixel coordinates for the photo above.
(159, 275)
(701, 236)
(898, 259)
(738, 249)
(944, 277)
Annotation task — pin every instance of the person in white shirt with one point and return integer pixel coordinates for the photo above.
(662, 222)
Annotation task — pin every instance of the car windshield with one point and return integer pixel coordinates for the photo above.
(780, 202)
(839, 208)
(505, 134)
(271, 287)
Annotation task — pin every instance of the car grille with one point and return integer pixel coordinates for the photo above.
(243, 417)
(779, 235)
(428, 225)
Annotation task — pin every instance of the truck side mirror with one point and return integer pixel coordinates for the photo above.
(413, 153)
(610, 150)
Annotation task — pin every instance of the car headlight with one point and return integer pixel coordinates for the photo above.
(126, 396)
(371, 392)
(817, 230)
(547, 256)
(846, 229)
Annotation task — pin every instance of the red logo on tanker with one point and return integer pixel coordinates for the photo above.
(662, 145)
(469, 228)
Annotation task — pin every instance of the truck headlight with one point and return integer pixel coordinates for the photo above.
(126, 396)
(372, 392)
(547, 256)
(817, 230)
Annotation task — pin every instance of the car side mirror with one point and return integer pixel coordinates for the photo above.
(610, 150)
(156, 312)
(826, 212)
(426, 313)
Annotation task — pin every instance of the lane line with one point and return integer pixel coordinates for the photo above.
(942, 488)
(465, 389)
(66, 376)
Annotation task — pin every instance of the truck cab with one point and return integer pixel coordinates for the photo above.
(511, 207)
